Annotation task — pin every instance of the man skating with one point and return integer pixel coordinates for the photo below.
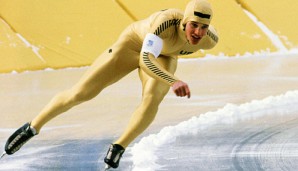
(152, 46)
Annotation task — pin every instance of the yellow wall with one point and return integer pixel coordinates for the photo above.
(67, 33)
(14, 54)
(279, 16)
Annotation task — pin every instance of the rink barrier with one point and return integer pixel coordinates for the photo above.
(56, 34)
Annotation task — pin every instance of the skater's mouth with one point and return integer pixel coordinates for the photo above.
(196, 37)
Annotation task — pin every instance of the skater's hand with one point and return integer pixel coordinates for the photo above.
(181, 89)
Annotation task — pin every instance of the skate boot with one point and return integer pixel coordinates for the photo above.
(113, 156)
(19, 138)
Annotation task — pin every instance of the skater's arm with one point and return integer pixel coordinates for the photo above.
(150, 65)
(153, 45)
(162, 27)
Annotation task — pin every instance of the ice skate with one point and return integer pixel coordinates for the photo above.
(3, 154)
(18, 139)
(107, 167)
(113, 156)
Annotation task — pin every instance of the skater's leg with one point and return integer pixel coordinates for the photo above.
(107, 69)
(113, 64)
(153, 93)
(102, 73)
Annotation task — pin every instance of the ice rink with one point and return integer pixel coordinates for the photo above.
(242, 116)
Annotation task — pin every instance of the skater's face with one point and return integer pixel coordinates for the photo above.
(195, 32)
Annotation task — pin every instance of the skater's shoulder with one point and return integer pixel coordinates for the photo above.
(172, 13)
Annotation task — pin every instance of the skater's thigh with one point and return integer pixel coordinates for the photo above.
(109, 67)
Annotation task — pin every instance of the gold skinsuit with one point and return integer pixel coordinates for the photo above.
(124, 56)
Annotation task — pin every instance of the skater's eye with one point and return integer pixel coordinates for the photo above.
(205, 26)
(194, 24)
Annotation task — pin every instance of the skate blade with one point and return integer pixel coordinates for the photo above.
(3, 154)
(107, 167)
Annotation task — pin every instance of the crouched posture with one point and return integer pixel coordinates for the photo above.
(151, 46)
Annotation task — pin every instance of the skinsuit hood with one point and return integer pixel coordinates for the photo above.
(199, 11)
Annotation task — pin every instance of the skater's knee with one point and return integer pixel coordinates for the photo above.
(80, 96)
(155, 94)
(153, 99)
(75, 96)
